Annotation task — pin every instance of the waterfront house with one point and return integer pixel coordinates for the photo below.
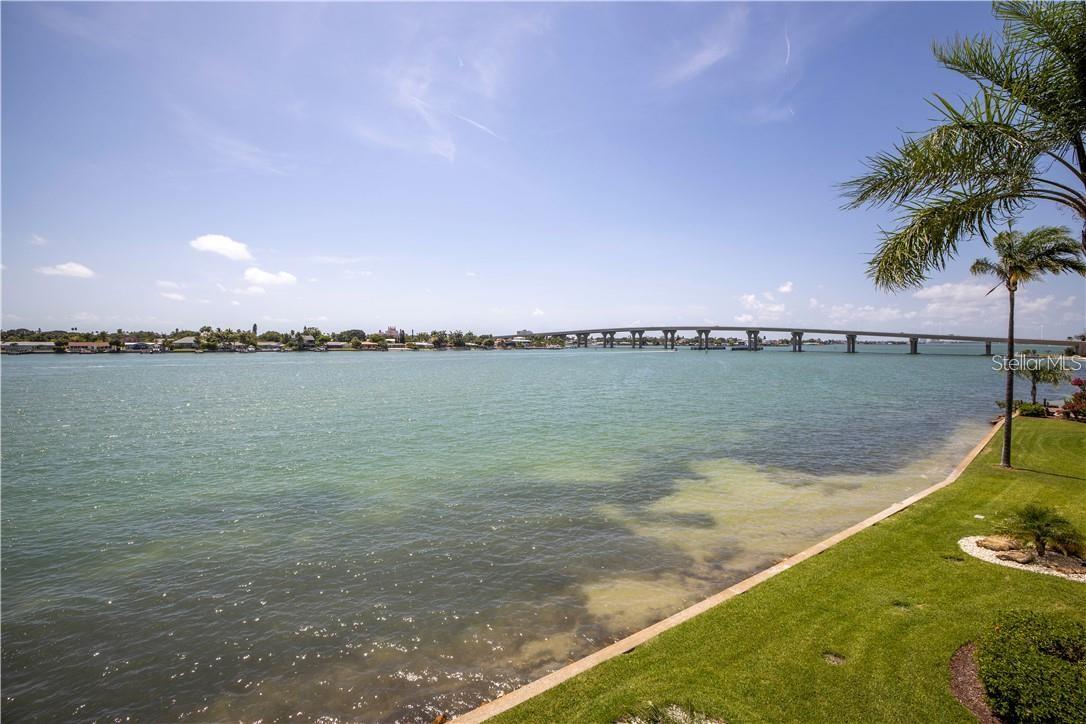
(88, 347)
(28, 347)
(136, 347)
(423, 345)
(369, 346)
(269, 346)
(185, 343)
(308, 342)
(334, 346)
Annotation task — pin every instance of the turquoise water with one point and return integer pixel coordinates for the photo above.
(384, 537)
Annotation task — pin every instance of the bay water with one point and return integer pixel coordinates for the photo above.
(389, 536)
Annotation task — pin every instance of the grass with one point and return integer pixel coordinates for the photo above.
(863, 632)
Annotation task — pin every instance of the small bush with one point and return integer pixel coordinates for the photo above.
(1030, 409)
(1033, 667)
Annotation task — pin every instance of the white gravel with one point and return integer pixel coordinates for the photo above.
(969, 545)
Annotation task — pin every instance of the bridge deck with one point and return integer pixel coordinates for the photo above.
(806, 330)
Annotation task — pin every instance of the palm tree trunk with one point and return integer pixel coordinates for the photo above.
(1009, 398)
(1033, 392)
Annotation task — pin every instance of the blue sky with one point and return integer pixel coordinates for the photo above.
(487, 166)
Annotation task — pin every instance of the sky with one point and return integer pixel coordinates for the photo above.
(491, 167)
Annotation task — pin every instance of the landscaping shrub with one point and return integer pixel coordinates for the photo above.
(1030, 409)
(1033, 666)
(1075, 408)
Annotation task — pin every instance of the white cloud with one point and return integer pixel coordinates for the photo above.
(164, 284)
(339, 260)
(36, 240)
(813, 303)
(867, 313)
(537, 312)
(173, 295)
(473, 274)
(85, 317)
(255, 275)
(67, 269)
(785, 288)
(235, 303)
(1068, 302)
(956, 302)
(1033, 306)
(768, 310)
(249, 290)
(222, 245)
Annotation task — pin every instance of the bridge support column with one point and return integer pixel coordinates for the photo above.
(703, 339)
(669, 338)
(913, 342)
(988, 348)
(637, 338)
(582, 339)
(752, 340)
(797, 341)
(850, 343)
(609, 340)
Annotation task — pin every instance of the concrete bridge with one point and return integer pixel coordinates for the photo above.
(703, 332)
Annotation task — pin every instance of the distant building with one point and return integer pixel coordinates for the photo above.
(524, 333)
(268, 346)
(332, 346)
(308, 342)
(185, 343)
(88, 347)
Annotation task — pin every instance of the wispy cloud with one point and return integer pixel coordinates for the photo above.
(426, 98)
(719, 41)
(227, 148)
(173, 296)
(166, 284)
(478, 125)
(67, 269)
(785, 288)
(37, 240)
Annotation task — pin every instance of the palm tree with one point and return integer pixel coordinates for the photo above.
(1017, 142)
(1036, 373)
(1023, 258)
(1044, 527)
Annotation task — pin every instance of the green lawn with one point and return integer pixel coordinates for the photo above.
(895, 600)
